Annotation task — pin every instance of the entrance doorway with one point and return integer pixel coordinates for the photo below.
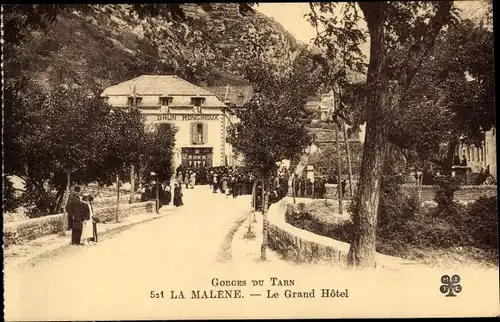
(197, 157)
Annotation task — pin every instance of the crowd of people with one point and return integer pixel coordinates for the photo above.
(230, 181)
(306, 188)
(164, 194)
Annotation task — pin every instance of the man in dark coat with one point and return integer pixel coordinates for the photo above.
(78, 212)
(177, 195)
(309, 188)
(344, 184)
(322, 188)
(316, 188)
(302, 187)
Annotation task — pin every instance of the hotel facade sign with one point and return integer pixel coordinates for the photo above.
(181, 117)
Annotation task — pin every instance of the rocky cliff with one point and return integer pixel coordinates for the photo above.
(110, 44)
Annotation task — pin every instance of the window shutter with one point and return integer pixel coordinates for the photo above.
(192, 133)
(205, 133)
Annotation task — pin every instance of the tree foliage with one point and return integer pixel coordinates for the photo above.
(451, 96)
(401, 36)
(158, 149)
(272, 124)
(68, 130)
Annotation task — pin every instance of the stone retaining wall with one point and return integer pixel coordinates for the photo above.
(465, 193)
(23, 231)
(302, 245)
(109, 201)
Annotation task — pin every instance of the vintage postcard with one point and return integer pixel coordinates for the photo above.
(249, 160)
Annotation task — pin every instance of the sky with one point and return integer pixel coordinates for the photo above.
(290, 15)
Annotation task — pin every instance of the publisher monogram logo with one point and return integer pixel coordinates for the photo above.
(450, 285)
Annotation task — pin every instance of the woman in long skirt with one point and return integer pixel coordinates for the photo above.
(88, 231)
(192, 180)
(168, 194)
(177, 196)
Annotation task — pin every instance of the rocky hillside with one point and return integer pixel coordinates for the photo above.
(109, 45)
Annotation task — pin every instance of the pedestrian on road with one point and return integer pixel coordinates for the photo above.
(344, 184)
(179, 177)
(88, 229)
(168, 195)
(76, 210)
(302, 187)
(309, 188)
(142, 191)
(186, 179)
(322, 188)
(177, 196)
(192, 180)
(215, 183)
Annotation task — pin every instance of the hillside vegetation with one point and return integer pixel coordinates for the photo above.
(109, 44)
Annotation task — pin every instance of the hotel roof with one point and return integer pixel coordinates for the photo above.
(161, 85)
(238, 95)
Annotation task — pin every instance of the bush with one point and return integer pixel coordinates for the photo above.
(10, 201)
(395, 208)
(318, 219)
(39, 202)
(401, 229)
(447, 186)
(481, 223)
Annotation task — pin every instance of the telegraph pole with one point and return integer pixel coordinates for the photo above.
(224, 126)
(339, 186)
(132, 168)
(348, 158)
(339, 164)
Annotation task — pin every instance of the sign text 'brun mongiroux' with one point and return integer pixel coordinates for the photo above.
(186, 117)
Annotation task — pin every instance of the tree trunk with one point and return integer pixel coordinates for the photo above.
(362, 249)
(293, 188)
(65, 214)
(448, 162)
(348, 159)
(382, 104)
(265, 199)
(117, 196)
(254, 199)
(339, 167)
(157, 196)
(59, 199)
(132, 184)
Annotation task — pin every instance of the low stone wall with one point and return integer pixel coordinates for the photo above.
(302, 245)
(109, 201)
(23, 231)
(465, 193)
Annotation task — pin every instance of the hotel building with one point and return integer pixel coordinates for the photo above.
(201, 118)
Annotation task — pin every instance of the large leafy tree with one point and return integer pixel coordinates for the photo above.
(272, 124)
(451, 97)
(157, 154)
(401, 36)
(69, 130)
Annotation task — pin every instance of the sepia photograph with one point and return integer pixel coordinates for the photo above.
(249, 160)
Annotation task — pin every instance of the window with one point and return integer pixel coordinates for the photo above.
(137, 99)
(240, 98)
(199, 133)
(165, 101)
(197, 101)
